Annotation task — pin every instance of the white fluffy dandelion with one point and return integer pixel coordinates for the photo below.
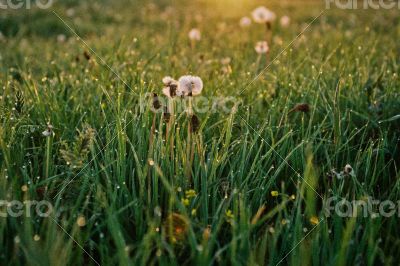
(194, 34)
(168, 80)
(285, 21)
(171, 86)
(245, 22)
(189, 86)
(263, 15)
(262, 47)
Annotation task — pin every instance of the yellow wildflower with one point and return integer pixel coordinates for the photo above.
(185, 201)
(81, 221)
(24, 188)
(229, 214)
(314, 220)
(190, 193)
(274, 193)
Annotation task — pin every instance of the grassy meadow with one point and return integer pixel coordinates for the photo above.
(135, 179)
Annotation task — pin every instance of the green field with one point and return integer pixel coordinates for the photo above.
(239, 175)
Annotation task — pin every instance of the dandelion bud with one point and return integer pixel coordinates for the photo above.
(86, 55)
(303, 107)
(166, 115)
(207, 233)
(156, 102)
(195, 123)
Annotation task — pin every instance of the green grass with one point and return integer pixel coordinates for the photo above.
(111, 162)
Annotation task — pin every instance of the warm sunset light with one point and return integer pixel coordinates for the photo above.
(199, 132)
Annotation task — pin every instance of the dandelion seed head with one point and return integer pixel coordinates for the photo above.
(170, 88)
(263, 15)
(262, 47)
(245, 22)
(194, 34)
(285, 21)
(189, 86)
(167, 80)
(348, 169)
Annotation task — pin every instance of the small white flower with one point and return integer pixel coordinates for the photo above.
(262, 47)
(48, 132)
(263, 15)
(195, 34)
(61, 38)
(285, 21)
(170, 88)
(70, 12)
(189, 86)
(245, 22)
(348, 170)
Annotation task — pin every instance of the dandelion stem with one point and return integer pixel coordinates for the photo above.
(189, 142)
(150, 154)
(48, 155)
(171, 125)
